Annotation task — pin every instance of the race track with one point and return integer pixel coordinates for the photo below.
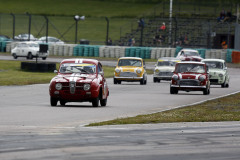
(31, 129)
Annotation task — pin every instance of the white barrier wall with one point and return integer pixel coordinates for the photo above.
(119, 51)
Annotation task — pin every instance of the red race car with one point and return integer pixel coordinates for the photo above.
(79, 80)
(190, 76)
(189, 55)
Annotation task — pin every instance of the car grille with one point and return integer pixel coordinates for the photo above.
(165, 74)
(214, 80)
(67, 89)
(128, 74)
(188, 83)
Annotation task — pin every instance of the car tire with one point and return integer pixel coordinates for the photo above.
(103, 102)
(119, 82)
(145, 82)
(53, 101)
(62, 102)
(95, 102)
(155, 80)
(159, 80)
(206, 91)
(115, 81)
(44, 58)
(14, 56)
(173, 90)
(30, 56)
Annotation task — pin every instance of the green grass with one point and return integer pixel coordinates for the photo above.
(11, 74)
(223, 109)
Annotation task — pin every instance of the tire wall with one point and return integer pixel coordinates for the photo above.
(125, 51)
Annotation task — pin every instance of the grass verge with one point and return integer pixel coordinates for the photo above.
(11, 74)
(222, 109)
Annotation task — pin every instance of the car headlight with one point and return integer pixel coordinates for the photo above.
(86, 86)
(139, 71)
(175, 77)
(220, 75)
(58, 86)
(202, 78)
(117, 70)
(156, 70)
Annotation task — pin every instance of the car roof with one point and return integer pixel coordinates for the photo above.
(81, 60)
(190, 50)
(190, 62)
(217, 60)
(27, 42)
(131, 58)
(168, 59)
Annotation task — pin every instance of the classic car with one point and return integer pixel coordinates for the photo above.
(218, 73)
(189, 55)
(130, 69)
(190, 76)
(28, 50)
(49, 40)
(164, 69)
(25, 37)
(79, 80)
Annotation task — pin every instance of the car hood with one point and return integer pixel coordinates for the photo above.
(76, 77)
(165, 68)
(189, 75)
(216, 71)
(128, 68)
(191, 58)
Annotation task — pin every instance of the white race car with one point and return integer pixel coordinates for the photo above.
(164, 69)
(28, 50)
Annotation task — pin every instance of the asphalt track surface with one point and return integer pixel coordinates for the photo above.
(31, 129)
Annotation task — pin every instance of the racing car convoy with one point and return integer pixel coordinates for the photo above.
(81, 80)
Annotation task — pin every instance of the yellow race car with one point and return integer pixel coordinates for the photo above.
(130, 69)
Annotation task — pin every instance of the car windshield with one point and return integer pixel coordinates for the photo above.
(189, 53)
(190, 67)
(33, 45)
(85, 68)
(166, 63)
(130, 62)
(214, 65)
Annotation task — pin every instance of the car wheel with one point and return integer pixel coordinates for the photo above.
(103, 102)
(53, 101)
(30, 56)
(62, 102)
(14, 56)
(159, 80)
(115, 81)
(206, 91)
(95, 102)
(142, 81)
(173, 90)
(145, 82)
(44, 58)
(227, 85)
(119, 82)
(155, 80)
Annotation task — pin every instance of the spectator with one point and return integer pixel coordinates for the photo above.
(163, 27)
(224, 45)
(131, 41)
(109, 42)
(141, 23)
(222, 15)
(186, 39)
(228, 16)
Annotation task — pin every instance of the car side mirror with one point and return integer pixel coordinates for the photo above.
(225, 68)
(101, 73)
(55, 71)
